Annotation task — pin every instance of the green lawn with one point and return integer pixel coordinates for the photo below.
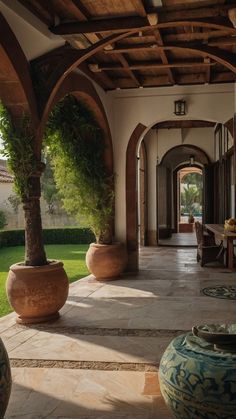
(73, 256)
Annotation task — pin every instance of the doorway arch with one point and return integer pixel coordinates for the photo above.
(131, 187)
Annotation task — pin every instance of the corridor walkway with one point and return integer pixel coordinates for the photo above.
(100, 359)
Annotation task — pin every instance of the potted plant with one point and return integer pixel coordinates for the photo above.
(190, 218)
(36, 288)
(76, 144)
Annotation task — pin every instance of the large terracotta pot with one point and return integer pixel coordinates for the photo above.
(197, 380)
(37, 292)
(106, 261)
(5, 380)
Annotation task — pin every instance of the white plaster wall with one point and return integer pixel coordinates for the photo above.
(200, 137)
(149, 106)
(6, 189)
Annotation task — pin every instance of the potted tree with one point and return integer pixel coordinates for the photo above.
(36, 288)
(76, 143)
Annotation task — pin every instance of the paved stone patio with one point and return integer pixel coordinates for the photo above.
(100, 359)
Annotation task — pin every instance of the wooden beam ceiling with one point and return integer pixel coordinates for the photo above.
(177, 43)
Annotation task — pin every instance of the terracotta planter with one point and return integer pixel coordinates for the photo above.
(5, 380)
(37, 292)
(197, 380)
(106, 261)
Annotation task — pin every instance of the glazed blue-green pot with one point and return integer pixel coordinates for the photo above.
(5, 380)
(197, 381)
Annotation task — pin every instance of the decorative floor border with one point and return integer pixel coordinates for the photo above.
(101, 331)
(84, 365)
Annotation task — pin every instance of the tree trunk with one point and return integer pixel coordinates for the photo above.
(34, 249)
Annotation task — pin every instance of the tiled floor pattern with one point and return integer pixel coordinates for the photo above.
(100, 359)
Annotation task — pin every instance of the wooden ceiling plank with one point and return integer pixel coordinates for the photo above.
(200, 13)
(82, 12)
(101, 79)
(150, 65)
(102, 25)
(139, 7)
(126, 24)
(126, 67)
(196, 36)
(208, 63)
(132, 48)
(162, 53)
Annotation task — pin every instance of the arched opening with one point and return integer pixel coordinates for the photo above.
(173, 216)
(87, 123)
(166, 162)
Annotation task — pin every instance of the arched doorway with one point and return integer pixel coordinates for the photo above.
(178, 161)
(208, 165)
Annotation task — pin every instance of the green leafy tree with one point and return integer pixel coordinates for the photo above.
(18, 147)
(189, 196)
(77, 147)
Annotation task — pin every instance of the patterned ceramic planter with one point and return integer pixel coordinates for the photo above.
(198, 381)
(5, 380)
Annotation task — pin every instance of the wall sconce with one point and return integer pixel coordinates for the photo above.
(180, 107)
(191, 160)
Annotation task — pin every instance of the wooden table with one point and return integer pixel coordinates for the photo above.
(222, 234)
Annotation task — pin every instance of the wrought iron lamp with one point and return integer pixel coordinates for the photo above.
(180, 107)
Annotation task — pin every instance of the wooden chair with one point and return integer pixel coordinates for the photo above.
(207, 249)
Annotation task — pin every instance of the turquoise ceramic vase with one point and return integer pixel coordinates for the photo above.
(197, 380)
(5, 380)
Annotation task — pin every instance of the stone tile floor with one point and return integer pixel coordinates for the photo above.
(100, 359)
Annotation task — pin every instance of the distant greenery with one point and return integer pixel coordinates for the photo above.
(67, 235)
(72, 255)
(191, 196)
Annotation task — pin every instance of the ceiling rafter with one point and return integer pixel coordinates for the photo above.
(175, 44)
(96, 68)
(123, 24)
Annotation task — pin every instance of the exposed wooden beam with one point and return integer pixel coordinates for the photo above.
(118, 25)
(162, 54)
(199, 36)
(208, 63)
(184, 124)
(195, 78)
(126, 67)
(225, 58)
(145, 65)
(79, 10)
(102, 25)
(101, 78)
(149, 81)
(225, 76)
(199, 13)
